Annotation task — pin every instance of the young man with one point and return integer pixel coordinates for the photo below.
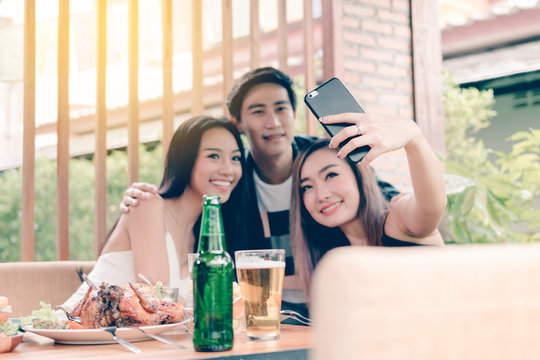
(262, 104)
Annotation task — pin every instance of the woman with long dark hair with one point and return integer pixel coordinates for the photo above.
(205, 156)
(336, 202)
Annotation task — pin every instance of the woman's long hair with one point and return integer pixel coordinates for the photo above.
(181, 156)
(183, 151)
(311, 240)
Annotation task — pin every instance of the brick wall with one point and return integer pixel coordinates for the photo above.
(378, 68)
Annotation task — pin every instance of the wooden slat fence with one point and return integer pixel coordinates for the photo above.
(29, 132)
(227, 50)
(100, 154)
(255, 34)
(62, 124)
(132, 113)
(168, 108)
(197, 107)
(133, 106)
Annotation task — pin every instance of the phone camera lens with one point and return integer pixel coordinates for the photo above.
(312, 94)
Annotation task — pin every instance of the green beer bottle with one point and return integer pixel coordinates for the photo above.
(212, 283)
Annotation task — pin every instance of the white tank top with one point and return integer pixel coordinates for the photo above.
(174, 266)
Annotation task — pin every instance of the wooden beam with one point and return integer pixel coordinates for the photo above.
(62, 130)
(309, 58)
(282, 34)
(227, 50)
(254, 34)
(426, 45)
(133, 107)
(197, 107)
(489, 33)
(167, 68)
(29, 130)
(100, 155)
(332, 32)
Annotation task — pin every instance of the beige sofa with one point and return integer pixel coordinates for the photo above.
(457, 302)
(28, 283)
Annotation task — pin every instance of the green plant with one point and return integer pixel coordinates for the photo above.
(523, 164)
(81, 210)
(301, 109)
(489, 200)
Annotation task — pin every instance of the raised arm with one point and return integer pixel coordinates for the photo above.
(415, 215)
(429, 201)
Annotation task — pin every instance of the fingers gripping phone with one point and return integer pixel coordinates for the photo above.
(332, 98)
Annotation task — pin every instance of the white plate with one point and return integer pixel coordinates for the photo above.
(98, 336)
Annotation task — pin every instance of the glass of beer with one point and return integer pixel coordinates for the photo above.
(260, 274)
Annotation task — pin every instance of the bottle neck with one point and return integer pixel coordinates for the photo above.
(212, 236)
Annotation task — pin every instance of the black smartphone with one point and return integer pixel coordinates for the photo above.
(332, 98)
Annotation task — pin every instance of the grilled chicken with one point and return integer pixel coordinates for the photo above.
(133, 304)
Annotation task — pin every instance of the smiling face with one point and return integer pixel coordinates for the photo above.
(218, 167)
(267, 119)
(329, 189)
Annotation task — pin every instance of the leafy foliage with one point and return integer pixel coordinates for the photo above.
(302, 110)
(488, 200)
(81, 198)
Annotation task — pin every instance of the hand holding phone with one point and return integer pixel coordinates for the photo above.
(332, 98)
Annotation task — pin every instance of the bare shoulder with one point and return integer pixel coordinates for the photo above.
(140, 224)
(147, 206)
(148, 214)
(396, 225)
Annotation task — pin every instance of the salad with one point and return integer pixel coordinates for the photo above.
(165, 293)
(44, 318)
(7, 327)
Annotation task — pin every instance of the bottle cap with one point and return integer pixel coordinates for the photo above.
(211, 199)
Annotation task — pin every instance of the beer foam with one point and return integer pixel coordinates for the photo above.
(254, 262)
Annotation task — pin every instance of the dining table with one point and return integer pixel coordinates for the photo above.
(294, 343)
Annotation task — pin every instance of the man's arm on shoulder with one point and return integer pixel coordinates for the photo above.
(135, 193)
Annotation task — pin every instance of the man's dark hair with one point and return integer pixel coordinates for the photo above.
(256, 77)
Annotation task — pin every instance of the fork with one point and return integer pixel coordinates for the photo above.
(157, 337)
(127, 344)
(286, 314)
(89, 282)
(68, 314)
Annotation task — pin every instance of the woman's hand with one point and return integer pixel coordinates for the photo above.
(135, 193)
(414, 216)
(382, 134)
